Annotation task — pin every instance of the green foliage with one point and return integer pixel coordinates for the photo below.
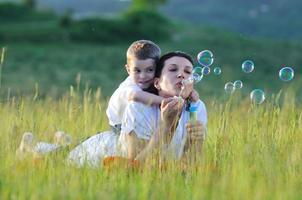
(99, 30)
(24, 24)
(148, 24)
(10, 12)
(47, 31)
(131, 26)
(66, 19)
(30, 3)
(146, 4)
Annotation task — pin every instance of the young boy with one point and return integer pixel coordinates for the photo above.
(142, 56)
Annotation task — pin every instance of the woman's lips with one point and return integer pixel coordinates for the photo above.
(179, 84)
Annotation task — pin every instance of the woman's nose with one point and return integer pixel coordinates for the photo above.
(181, 75)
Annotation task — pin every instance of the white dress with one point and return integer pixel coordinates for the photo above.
(141, 119)
(94, 149)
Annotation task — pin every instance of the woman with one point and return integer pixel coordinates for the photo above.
(143, 126)
(170, 122)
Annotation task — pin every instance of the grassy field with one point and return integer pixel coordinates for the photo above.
(251, 152)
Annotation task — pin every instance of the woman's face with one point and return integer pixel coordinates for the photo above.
(175, 70)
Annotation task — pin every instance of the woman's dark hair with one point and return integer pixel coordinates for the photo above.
(161, 63)
(163, 58)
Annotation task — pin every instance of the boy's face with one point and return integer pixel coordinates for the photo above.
(141, 71)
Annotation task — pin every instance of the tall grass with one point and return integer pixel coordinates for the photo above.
(251, 152)
(3, 50)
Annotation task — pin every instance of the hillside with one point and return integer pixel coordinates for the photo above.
(278, 19)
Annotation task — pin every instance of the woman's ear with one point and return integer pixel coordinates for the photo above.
(156, 83)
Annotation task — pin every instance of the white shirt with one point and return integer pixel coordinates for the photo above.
(144, 121)
(119, 101)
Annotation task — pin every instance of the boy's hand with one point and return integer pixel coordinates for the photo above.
(194, 96)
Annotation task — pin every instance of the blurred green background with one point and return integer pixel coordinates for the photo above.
(54, 44)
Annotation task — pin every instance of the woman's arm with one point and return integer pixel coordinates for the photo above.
(157, 142)
(133, 145)
(138, 122)
(170, 110)
(149, 149)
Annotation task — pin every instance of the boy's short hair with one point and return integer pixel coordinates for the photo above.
(143, 49)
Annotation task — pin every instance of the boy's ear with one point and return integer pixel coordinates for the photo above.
(127, 68)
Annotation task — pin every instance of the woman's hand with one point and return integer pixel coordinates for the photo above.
(170, 112)
(187, 91)
(196, 133)
(196, 130)
(170, 109)
(194, 96)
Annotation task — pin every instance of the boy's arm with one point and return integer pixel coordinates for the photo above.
(145, 98)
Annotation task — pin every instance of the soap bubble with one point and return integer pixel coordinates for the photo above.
(205, 58)
(286, 74)
(217, 71)
(229, 87)
(194, 78)
(197, 77)
(206, 70)
(247, 66)
(238, 84)
(190, 80)
(197, 74)
(257, 96)
(197, 70)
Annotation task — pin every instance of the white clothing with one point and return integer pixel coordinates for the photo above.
(119, 101)
(144, 121)
(94, 149)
